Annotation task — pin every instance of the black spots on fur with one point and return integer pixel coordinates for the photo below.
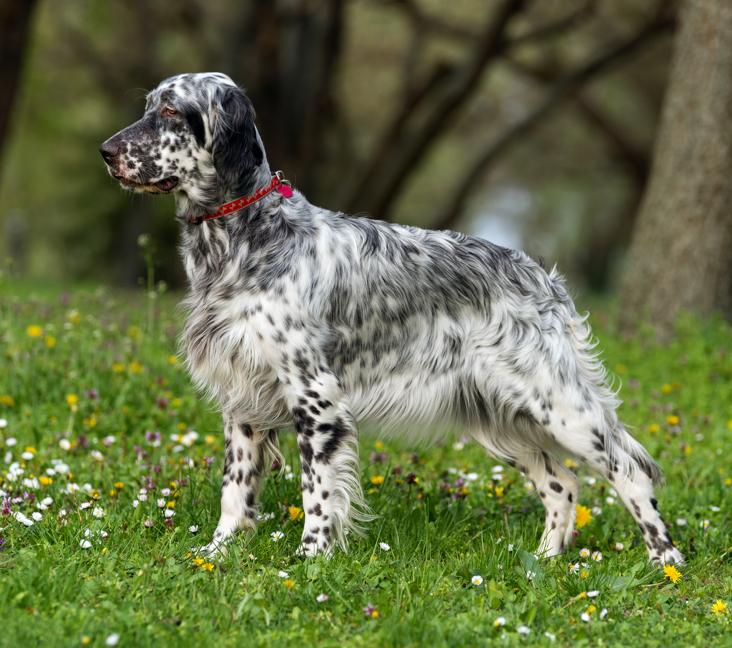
(309, 539)
(246, 430)
(239, 476)
(312, 394)
(654, 504)
(636, 509)
(542, 494)
(325, 494)
(570, 498)
(249, 500)
(318, 510)
(556, 486)
(333, 440)
(239, 454)
(599, 443)
(306, 452)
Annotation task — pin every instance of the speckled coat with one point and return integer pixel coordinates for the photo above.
(302, 316)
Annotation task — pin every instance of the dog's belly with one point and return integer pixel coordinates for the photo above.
(224, 357)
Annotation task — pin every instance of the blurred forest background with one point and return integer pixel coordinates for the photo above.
(532, 123)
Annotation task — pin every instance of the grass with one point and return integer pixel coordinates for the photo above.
(89, 381)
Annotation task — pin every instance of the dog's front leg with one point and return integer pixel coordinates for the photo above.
(243, 468)
(327, 438)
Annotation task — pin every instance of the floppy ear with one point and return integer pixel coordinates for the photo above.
(235, 149)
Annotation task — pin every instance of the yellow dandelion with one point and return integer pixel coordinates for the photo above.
(181, 426)
(375, 614)
(377, 480)
(119, 484)
(570, 463)
(729, 424)
(34, 331)
(728, 481)
(6, 400)
(135, 367)
(673, 574)
(90, 421)
(207, 566)
(288, 583)
(198, 561)
(295, 512)
(172, 360)
(170, 504)
(118, 367)
(584, 573)
(379, 445)
(210, 439)
(672, 419)
(584, 516)
(113, 492)
(591, 609)
(719, 607)
(85, 640)
(45, 481)
(176, 402)
(687, 450)
(654, 428)
(49, 341)
(31, 449)
(72, 400)
(499, 491)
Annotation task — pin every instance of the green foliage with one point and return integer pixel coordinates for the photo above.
(445, 513)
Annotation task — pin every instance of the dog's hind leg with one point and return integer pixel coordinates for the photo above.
(247, 452)
(593, 435)
(558, 489)
(556, 486)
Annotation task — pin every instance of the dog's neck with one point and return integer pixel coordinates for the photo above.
(207, 246)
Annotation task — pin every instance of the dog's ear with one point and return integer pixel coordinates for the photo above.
(235, 149)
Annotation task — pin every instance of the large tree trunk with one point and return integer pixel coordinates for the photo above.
(14, 29)
(681, 254)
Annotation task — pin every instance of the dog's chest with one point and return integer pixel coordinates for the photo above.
(226, 356)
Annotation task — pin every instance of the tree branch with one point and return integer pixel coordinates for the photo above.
(562, 90)
(633, 156)
(384, 177)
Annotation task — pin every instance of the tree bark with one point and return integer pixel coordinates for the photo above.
(681, 253)
(15, 18)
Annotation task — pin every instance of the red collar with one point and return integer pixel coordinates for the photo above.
(277, 183)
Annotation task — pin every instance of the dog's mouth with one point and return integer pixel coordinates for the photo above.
(166, 185)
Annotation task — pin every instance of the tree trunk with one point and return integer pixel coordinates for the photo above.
(680, 258)
(14, 29)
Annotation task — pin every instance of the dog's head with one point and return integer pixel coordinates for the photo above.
(197, 136)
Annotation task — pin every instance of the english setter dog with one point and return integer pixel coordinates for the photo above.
(299, 315)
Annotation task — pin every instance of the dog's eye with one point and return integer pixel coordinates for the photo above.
(169, 111)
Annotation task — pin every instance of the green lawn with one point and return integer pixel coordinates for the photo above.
(95, 407)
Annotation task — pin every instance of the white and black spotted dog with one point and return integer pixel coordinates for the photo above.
(302, 315)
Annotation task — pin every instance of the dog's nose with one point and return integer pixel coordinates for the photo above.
(109, 151)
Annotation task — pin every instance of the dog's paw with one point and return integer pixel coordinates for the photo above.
(214, 550)
(669, 556)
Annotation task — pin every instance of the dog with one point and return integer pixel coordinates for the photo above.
(300, 315)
